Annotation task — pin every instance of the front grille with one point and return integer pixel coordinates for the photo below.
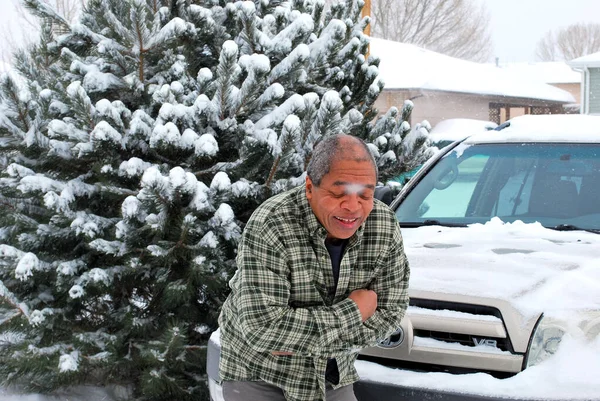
(468, 340)
(456, 306)
(463, 339)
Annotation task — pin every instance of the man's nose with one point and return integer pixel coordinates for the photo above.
(351, 202)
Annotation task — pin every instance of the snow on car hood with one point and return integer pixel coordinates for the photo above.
(534, 268)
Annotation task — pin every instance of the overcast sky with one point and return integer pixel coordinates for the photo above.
(516, 25)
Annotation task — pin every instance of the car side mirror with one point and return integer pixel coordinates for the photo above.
(384, 194)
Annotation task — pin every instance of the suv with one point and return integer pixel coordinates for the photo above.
(502, 234)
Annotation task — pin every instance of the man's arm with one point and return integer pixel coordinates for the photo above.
(262, 292)
(391, 287)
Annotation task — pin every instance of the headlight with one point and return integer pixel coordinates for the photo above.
(591, 327)
(545, 341)
(550, 331)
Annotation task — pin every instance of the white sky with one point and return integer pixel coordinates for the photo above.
(517, 25)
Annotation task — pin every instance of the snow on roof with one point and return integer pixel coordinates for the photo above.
(591, 60)
(553, 72)
(405, 66)
(580, 128)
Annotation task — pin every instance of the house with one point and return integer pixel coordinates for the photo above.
(589, 66)
(443, 87)
(555, 73)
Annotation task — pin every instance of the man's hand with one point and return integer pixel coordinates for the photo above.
(366, 300)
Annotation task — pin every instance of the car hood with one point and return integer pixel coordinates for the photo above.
(533, 268)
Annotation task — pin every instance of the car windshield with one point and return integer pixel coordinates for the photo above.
(557, 185)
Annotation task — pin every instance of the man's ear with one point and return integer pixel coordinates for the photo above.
(309, 188)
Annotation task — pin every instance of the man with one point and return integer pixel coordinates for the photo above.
(321, 275)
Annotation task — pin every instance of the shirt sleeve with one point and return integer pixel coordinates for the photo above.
(266, 320)
(391, 286)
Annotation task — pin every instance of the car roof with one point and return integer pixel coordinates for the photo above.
(454, 129)
(559, 128)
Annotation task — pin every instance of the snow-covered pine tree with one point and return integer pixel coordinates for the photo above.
(132, 151)
(397, 147)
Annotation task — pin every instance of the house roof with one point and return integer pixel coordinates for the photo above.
(591, 60)
(405, 66)
(551, 72)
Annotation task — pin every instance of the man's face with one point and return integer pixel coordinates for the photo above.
(345, 197)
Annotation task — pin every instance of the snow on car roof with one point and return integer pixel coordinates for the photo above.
(570, 128)
(455, 129)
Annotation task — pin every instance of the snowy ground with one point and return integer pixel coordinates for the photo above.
(78, 394)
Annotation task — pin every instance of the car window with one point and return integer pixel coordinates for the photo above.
(550, 183)
(454, 188)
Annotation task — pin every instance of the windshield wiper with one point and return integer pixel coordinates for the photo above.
(571, 227)
(430, 222)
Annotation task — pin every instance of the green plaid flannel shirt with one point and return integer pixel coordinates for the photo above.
(279, 297)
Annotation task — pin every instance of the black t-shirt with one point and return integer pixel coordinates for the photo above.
(335, 247)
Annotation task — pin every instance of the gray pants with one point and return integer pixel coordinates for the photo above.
(261, 391)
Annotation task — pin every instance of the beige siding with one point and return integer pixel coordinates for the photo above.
(573, 88)
(436, 106)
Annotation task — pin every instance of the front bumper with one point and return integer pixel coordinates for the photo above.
(373, 391)
(380, 388)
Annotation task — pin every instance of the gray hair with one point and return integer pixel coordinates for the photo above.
(333, 148)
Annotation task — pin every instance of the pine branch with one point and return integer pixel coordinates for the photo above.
(11, 299)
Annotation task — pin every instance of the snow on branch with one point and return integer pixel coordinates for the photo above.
(292, 105)
(44, 10)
